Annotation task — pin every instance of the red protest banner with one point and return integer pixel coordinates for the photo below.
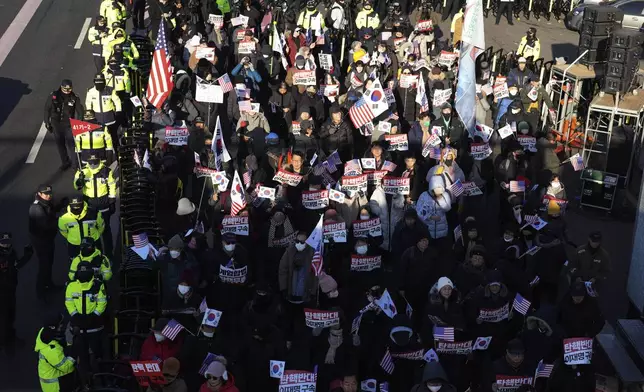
(79, 126)
(147, 372)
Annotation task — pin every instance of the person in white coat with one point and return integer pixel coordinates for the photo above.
(432, 208)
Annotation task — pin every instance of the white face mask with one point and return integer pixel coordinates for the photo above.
(300, 247)
(208, 334)
(175, 254)
(516, 111)
(434, 388)
(555, 185)
(361, 249)
(183, 289)
(508, 238)
(364, 217)
(524, 131)
(158, 337)
(229, 247)
(513, 92)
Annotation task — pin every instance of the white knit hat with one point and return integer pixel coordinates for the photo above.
(185, 207)
(444, 281)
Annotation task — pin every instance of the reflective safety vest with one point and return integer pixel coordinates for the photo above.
(94, 296)
(113, 11)
(99, 262)
(97, 41)
(52, 363)
(104, 103)
(98, 186)
(97, 142)
(367, 19)
(119, 80)
(129, 49)
(76, 227)
(307, 17)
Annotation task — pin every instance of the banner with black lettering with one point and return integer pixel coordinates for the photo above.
(578, 351)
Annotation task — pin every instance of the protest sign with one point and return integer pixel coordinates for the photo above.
(205, 53)
(246, 47)
(424, 25)
(454, 348)
(396, 185)
(511, 383)
(354, 183)
(494, 315)
(367, 228)
(480, 151)
(304, 78)
(314, 200)
(470, 189)
(284, 241)
(176, 136)
(578, 351)
(501, 91)
(447, 58)
(505, 131)
(326, 61)
(240, 20)
(330, 90)
(365, 263)
(295, 127)
(233, 275)
(206, 92)
(337, 231)
(440, 97)
(408, 81)
(431, 143)
(374, 177)
(397, 142)
(389, 94)
(529, 143)
(415, 355)
(235, 224)
(147, 373)
(315, 318)
(286, 178)
(298, 380)
(216, 20)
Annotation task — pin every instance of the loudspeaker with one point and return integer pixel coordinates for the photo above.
(617, 55)
(601, 13)
(590, 42)
(594, 56)
(614, 85)
(597, 29)
(620, 70)
(626, 38)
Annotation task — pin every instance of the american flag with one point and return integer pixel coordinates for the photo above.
(361, 113)
(517, 186)
(247, 178)
(435, 153)
(160, 83)
(203, 306)
(530, 219)
(521, 304)
(334, 158)
(172, 329)
(535, 280)
(329, 167)
(140, 240)
(206, 362)
(225, 83)
(315, 241)
(318, 169)
(327, 179)
(456, 189)
(244, 106)
(458, 233)
(353, 166)
(444, 333)
(543, 370)
(389, 166)
(237, 196)
(387, 362)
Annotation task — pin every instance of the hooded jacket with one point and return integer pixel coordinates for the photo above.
(429, 206)
(405, 236)
(287, 268)
(417, 270)
(434, 371)
(580, 320)
(542, 336)
(254, 120)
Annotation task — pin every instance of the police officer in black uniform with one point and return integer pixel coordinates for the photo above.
(10, 263)
(62, 105)
(43, 227)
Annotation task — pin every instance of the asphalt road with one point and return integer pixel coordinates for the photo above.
(44, 54)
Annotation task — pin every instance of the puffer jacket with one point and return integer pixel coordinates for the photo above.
(429, 206)
(433, 371)
(336, 137)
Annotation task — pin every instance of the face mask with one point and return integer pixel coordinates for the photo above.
(516, 111)
(265, 56)
(175, 254)
(524, 131)
(208, 334)
(364, 217)
(434, 388)
(183, 289)
(426, 123)
(158, 337)
(508, 238)
(361, 249)
(382, 50)
(513, 92)
(114, 67)
(229, 247)
(76, 210)
(300, 247)
(85, 276)
(448, 162)
(93, 165)
(87, 252)
(555, 185)
(99, 85)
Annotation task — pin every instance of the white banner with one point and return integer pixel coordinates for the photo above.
(176, 136)
(370, 227)
(314, 200)
(396, 185)
(321, 318)
(235, 224)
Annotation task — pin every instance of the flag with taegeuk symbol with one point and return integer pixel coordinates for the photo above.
(237, 196)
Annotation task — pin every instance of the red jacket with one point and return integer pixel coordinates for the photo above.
(151, 350)
(229, 386)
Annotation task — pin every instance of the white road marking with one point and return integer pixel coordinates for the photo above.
(31, 158)
(15, 30)
(81, 37)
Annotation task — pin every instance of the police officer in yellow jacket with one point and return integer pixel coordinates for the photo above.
(367, 17)
(530, 45)
(118, 78)
(98, 141)
(113, 11)
(86, 301)
(99, 262)
(96, 181)
(97, 36)
(311, 18)
(103, 101)
(53, 364)
(78, 222)
(120, 38)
